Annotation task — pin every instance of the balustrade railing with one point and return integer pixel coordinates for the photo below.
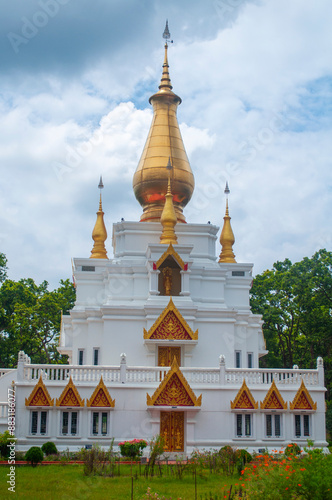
(142, 374)
(3, 410)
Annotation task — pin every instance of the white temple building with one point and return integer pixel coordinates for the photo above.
(161, 339)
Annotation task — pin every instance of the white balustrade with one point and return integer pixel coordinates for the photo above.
(144, 374)
(3, 371)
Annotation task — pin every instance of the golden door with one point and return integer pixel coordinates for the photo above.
(167, 354)
(172, 430)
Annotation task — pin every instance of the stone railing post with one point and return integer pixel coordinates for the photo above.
(320, 368)
(123, 368)
(222, 368)
(23, 359)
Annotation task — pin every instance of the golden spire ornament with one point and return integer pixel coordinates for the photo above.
(99, 233)
(164, 141)
(227, 238)
(168, 216)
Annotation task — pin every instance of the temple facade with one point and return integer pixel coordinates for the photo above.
(161, 339)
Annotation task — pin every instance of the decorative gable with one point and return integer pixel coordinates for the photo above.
(174, 390)
(170, 325)
(39, 396)
(244, 399)
(303, 400)
(273, 400)
(171, 252)
(70, 396)
(100, 397)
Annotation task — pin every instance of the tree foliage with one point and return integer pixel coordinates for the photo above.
(295, 301)
(30, 317)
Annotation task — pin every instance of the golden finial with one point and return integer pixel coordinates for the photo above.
(164, 141)
(227, 239)
(99, 233)
(168, 216)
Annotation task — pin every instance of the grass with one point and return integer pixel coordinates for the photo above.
(67, 482)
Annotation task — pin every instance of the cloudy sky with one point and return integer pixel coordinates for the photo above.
(75, 78)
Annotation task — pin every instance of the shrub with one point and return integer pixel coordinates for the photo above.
(49, 448)
(133, 449)
(243, 458)
(292, 449)
(34, 455)
(5, 438)
(228, 457)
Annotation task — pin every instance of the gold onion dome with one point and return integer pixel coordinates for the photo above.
(227, 238)
(164, 141)
(99, 233)
(168, 216)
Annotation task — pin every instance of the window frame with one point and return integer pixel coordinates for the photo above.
(71, 416)
(305, 425)
(244, 419)
(39, 414)
(80, 354)
(274, 416)
(251, 356)
(100, 423)
(95, 351)
(238, 359)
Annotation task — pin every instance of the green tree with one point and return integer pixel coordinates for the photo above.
(295, 301)
(30, 317)
(3, 267)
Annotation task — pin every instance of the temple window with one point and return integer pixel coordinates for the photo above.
(273, 425)
(69, 423)
(243, 424)
(99, 423)
(96, 356)
(80, 356)
(302, 425)
(237, 359)
(38, 422)
(250, 360)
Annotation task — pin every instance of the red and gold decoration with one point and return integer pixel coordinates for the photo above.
(303, 400)
(166, 354)
(172, 430)
(70, 396)
(100, 397)
(39, 396)
(170, 325)
(174, 390)
(244, 399)
(273, 400)
(170, 252)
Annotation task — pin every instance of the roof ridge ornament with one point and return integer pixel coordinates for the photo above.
(227, 238)
(99, 233)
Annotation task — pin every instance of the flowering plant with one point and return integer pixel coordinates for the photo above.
(133, 448)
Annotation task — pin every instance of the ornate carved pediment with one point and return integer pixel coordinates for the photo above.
(101, 397)
(170, 252)
(244, 399)
(70, 396)
(303, 400)
(170, 325)
(174, 390)
(39, 396)
(273, 400)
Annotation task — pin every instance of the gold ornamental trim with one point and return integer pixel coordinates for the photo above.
(170, 309)
(273, 399)
(100, 397)
(303, 400)
(39, 395)
(167, 395)
(244, 399)
(173, 253)
(70, 396)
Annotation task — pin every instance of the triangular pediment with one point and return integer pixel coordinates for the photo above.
(70, 396)
(273, 400)
(244, 399)
(100, 397)
(39, 396)
(174, 390)
(303, 400)
(170, 326)
(172, 253)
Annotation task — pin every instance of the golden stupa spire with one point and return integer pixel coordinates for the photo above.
(164, 141)
(227, 239)
(99, 233)
(168, 216)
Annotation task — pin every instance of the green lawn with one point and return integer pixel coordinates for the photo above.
(62, 482)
